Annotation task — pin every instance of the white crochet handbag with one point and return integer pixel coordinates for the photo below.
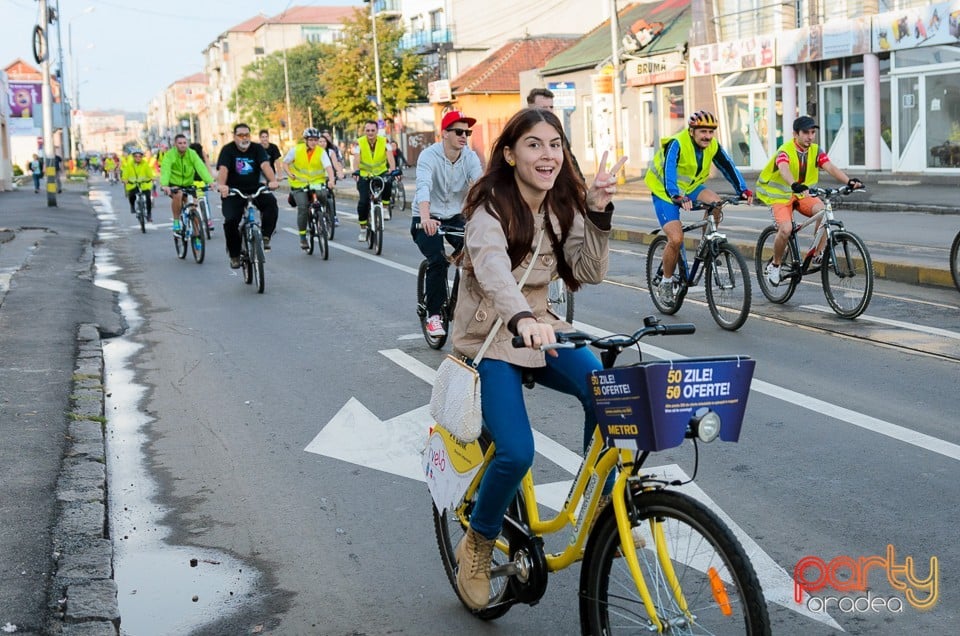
(455, 400)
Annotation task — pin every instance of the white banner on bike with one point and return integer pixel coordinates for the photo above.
(449, 466)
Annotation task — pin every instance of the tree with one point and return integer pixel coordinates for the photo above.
(349, 80)
(260, 97)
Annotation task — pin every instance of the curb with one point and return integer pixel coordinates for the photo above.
(899, 272)
(83, 594)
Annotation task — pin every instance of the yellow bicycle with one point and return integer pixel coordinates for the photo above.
(656, 560)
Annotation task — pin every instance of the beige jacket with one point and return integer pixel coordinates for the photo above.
(490, 290)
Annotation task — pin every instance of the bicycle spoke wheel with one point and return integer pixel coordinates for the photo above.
(560, 299)
(655, 275)
(180, 242)
(205, 218)
(142, 214)
(400, 195)
(848, 277)
(450, 528)
(718, 590)
(789, 278)
(247, 267)
(434, 342)
(198, 238)
(728, 287)
(955, 260)
(311, 235)
(257, 258)
(377, 233)
(321, 229)
(330, 211)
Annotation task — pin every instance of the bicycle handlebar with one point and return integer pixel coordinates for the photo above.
(249, 197)
(451, 230)
(845, 190)
(615, 342)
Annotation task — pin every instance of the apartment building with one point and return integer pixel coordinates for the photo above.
(226, 57)
(99, 132)
(175, 109)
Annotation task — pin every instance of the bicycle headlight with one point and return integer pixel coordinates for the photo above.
(706, 425)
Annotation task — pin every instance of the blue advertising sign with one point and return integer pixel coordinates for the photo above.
(564, 95)
(648, 406)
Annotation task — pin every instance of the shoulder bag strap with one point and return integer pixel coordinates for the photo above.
(499, 321)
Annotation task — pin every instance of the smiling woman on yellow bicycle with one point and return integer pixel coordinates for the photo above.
(528, 193)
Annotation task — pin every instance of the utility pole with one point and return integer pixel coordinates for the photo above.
(615, 60)
(376, 65)
(42, 52)
(64, 105)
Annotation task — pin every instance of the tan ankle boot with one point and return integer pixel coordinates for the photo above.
(474, 553)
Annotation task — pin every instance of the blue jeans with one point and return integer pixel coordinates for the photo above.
(505, 418)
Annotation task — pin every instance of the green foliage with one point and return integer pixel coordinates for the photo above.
(17, 171)
(261, 95)
(349, 79)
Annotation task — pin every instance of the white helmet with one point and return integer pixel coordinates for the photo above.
(311, 132)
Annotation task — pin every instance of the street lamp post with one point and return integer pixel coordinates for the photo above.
(72, 148)
(376, 62)
(64, 101)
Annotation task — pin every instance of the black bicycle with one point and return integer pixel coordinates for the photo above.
(398, 196)
(844, 262)
(955, 260)
(446, 310)
(318, 220)
(140, 203)
(728, 278)
(251, 252)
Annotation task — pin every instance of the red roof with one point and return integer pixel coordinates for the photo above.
(196, 78)
(249, 25)
(313, 15)
(500, 71)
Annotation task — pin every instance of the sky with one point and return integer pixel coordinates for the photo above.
(127, 51)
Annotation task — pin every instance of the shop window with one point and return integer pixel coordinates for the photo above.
(855, 129)
(943, 120)
(832, 115)
(926, 56)
(909, 89)
(673, 115)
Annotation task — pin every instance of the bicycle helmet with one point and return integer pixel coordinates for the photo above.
(703, 119)
(311, 132)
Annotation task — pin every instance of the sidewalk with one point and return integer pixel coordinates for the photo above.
(55, 553)
(885, 193)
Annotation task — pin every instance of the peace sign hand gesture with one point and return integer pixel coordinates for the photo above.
(604, 184)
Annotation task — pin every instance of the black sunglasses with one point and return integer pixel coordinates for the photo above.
(460, 132)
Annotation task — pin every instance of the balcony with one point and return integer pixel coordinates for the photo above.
(422, 40)
(387, 8)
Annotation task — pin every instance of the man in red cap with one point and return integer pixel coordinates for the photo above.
(373, 160)
(445, 171)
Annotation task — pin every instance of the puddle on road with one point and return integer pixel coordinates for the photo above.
(161, 589)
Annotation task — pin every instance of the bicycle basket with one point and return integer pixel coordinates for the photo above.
(648, 406)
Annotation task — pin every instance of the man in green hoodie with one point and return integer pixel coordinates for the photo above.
(177, 170)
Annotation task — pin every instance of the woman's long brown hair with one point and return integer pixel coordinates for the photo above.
(497, 193)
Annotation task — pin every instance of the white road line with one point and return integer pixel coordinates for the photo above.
(866, 422)
(893, 323)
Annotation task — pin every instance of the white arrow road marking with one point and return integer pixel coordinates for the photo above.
(356, 435)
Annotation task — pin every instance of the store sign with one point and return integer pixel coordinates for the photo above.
(929, 25)
(827, 41)
(564, 95)
(655, 69)
(439, 91)
(732, 56)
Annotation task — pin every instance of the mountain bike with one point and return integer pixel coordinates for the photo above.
(318, 220)
(446, 310)
(140, 202)
(376, 216)
(955, 260)
(727, 283)
(656, 560)
(846, 270)
(398, 196)
(251, 251)
(192, 231)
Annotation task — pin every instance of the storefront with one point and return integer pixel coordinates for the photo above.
(885, 89)
(748, 98)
